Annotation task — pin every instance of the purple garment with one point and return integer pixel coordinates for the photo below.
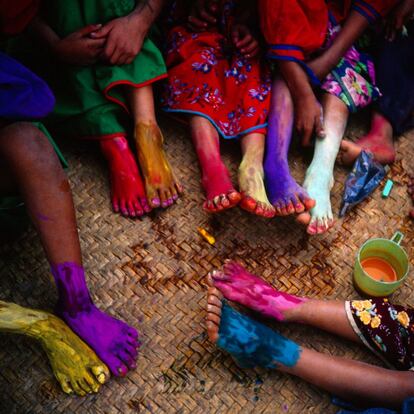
(23, 95)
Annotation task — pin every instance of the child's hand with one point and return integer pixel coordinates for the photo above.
(308, 118)
(203, 15)
(398, 18)
(243, 40)
(123, 38)
(78, 48)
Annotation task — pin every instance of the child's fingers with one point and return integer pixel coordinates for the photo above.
(87, 30)
(102, 32)
(244, 41)
(249, 49)
(319, 128)
(207, 17)
(196, 24)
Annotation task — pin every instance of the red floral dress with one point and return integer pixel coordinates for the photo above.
(208, 77)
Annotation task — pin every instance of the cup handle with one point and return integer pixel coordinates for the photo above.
(397, 238)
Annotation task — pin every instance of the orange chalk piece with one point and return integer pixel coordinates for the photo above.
(206, 236)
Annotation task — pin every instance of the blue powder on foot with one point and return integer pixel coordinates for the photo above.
(254, 344)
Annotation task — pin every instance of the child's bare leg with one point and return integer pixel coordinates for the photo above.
(251, 176)
(379, 141)
(284, 193)
(215, 177)
(161, 186)
(33, 166)
(380, 387)
(252, 344)
(238, 285)
(319, 176)
(74, 364)
(127, 187)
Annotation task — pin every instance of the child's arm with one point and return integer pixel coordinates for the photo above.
(125, 35)
(308, 112)
(353, 28)
(78, 48)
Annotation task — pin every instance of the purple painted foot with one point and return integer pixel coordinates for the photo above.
(285, 194)
(115, 342)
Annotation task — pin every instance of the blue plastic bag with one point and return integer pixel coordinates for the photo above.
(364, 178)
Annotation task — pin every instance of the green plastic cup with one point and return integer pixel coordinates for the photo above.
(388, 250)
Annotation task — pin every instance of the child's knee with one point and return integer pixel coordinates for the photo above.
(24, 141)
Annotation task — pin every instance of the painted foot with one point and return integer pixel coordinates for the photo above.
(251, 184)
(219, 189)
(385, 154)
(379, 141)
(320, 219)
(74, 364)
(127, 188)
(249, 342)
(238, 285)
(161, 186)
(114, 341)
(284, 193)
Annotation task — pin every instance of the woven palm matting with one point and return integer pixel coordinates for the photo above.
(151, 273)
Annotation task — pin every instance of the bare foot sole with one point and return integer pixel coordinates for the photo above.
(162, 188)
(222, 202)
(127, 189)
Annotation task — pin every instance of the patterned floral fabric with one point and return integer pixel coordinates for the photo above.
(208, 77)
(387, 329)
(353, 79)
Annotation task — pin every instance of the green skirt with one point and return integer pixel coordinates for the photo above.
(90, 99)
(13, 215)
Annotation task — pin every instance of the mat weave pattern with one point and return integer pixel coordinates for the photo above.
(151, 272)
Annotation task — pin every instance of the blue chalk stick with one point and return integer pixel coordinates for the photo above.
(387, 188)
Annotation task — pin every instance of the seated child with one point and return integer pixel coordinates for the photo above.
(393, 113)
(313, 42)
(215, 76)
(101, 65)
(30, 167)
(386, 329)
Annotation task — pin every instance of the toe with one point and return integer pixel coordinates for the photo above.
(139, 211)
(123, 208)
(64, 383)
(297, 204)
(76, 388)
(304, 218)
(132, 332)
(234, 197)
(84, 385)
(214, 309)
(127, 359)
(132, 351)
(101, 373)
(212, 331)
(248, 203)
(93, 384)
(213, 300)
(224, 202)
(131, 209)
(144, 204)
(115, 205)
(313, 227)
(290, 209)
